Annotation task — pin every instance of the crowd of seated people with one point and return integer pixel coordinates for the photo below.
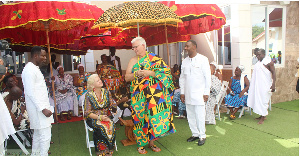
(13, 97)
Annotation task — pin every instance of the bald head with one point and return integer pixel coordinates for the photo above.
(15, 93)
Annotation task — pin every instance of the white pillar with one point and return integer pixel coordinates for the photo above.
(241, 43)
(90, 65)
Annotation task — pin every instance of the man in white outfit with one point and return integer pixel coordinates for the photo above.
(37, 102)
(115, 60)
(261, 85)
(195, 82)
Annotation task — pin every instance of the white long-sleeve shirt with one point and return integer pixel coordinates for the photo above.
(195, 79)
(7, 127)
(36, 97)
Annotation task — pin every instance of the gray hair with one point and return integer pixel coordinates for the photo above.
(141, 39)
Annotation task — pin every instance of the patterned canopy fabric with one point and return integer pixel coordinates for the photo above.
(67, 21)
(131, 13)
(33, 15)
(198, 18)
(121, 38)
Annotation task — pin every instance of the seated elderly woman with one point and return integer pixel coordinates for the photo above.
(65, 93)
(16, 107)
(238, 87)
(98, 113)
(214, 91)
(80, 81)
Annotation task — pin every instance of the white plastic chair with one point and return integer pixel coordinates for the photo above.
(248, 109)
(220, 97)
(89, 143)
(20, 144)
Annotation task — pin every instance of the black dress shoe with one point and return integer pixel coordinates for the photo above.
(192, 138)
(201, 141)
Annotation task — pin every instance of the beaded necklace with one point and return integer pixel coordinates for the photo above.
(100, 103)
(146, 61)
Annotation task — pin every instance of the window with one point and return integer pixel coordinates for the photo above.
(268, 31)
(71, 62)
(224, 40)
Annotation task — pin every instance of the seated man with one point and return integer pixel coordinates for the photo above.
(9, 82)
(16, 107)
(109, 75)
(106, 70)
(65, 93)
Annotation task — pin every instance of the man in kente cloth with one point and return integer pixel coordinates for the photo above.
(151, 95)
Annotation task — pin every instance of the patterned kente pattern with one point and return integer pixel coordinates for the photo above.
(151, 101)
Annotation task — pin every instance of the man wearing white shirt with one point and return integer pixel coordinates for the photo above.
(115, 60)
(195, 82)
(37, 102)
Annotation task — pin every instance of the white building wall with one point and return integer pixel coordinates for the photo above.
(205, 45)
(241, 43)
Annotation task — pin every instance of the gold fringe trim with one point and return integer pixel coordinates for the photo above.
(20, 25)
(224, 18)
(127, 23)
(16, 3)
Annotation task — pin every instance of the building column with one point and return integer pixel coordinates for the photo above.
(241, 43)
(89, 63)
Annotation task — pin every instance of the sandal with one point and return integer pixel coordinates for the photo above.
(142, 150)
(62, 118)
(154, 148)
(232, 117)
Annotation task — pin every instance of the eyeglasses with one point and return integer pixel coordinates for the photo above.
(134, 47)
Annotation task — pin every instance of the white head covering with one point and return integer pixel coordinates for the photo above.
(59, 67)
(242, 68)
(80, 65)
(214, 63)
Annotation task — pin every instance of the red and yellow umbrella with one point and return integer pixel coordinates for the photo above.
(135, 14)
(198, 18)
(46, 16)
(62, 41)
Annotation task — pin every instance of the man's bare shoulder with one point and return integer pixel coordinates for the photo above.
(134, 59)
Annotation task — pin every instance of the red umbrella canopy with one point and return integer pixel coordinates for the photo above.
(198, 18)
(155, 35)
(121, 38)
(72, 24)
(32, 15)
(105, 38)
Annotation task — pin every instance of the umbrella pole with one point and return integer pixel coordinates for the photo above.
(138, 29)
(51, 71)
(166, 31)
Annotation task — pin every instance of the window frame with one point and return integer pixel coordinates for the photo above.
(267, 28)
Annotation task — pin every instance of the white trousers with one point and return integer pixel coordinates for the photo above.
(2, 149)
(196, 119)
(41, 141)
